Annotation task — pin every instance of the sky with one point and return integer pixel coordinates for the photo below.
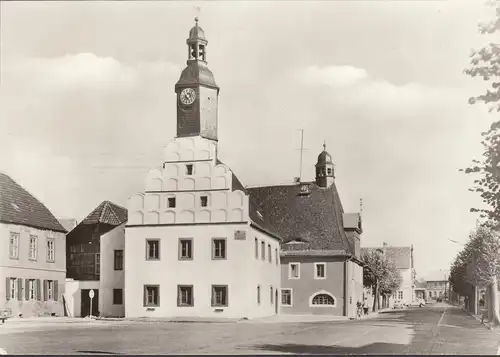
(87, 103)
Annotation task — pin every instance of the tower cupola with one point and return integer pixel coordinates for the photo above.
(197, 92)
(324, 169)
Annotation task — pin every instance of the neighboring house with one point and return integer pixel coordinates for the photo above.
(32, 253)
(195, 244)
(403, 259)
(321, 271)
(420, 289)
(94, 256)
(437, 284)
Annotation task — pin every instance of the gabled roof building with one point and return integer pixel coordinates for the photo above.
(32, 259)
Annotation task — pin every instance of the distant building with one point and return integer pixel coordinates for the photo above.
(437, 284)
(403, 259)
(32, 255)
(321, 271)
(94, 256)
(208, 251)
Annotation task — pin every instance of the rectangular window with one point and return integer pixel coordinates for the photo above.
(185, 249)
(33, 248)
(286, 297)
(219, 295)
(218, 249)
(117, 296)
(277, 258)
(269, 254)
(152, 249)
(31, 293)
(185, 295)
(119, 259)
(50, 290)
(319, 270)
(51, 250)
(204, 201)
(97, 263)
(14, 245)
(400, 295)
(171, 202)
(263, 250)
(271, 294)
(189, 169)
(13, 288)
(151, 295)
(294, 271)
(256, 248)
(258, 294)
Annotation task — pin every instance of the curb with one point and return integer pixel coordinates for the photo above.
(488, 326)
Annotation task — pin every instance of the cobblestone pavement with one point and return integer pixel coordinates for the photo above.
(428, 330)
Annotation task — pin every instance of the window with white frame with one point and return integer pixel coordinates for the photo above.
(400, 295)
(319, 270)
(286, 297)
(218, 248)
(185, 295)
(31, 289)
(323, 300)
(51, 250)
(269, 253)
(219, 295)
(294, 271)
(49, 289)
(13, 288)
(33, 248)
(151, 295)
(185, 248)
(14, 245)
(152, 249)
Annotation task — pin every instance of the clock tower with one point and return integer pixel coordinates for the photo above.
(197, 92)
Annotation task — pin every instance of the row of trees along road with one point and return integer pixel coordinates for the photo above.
(479, 261)
(381, 275)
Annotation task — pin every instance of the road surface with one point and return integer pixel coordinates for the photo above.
(428, 330)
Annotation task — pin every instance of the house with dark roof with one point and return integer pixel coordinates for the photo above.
(94, 256)
(32, 255)
(196, 244)
(403, 259)
(321, 271)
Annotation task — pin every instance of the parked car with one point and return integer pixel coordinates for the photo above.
(439, 299)
(417, 302)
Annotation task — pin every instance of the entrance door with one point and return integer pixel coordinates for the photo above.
(85, 311)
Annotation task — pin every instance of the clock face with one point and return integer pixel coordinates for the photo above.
(188, 95)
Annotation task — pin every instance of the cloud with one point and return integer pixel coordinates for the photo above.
(333, 76)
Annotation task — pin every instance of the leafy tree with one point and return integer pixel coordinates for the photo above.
(380, 274)
(485, 64)
(479, 264)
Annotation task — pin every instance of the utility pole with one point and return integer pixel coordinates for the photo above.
(301, 153)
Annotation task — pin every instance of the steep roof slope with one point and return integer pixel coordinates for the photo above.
(18, 206)
(314, 218)
(106, 213)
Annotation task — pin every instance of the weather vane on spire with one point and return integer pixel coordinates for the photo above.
(324, 144)
(360, 206)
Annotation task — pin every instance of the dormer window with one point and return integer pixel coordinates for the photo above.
(171, 202)
(204, 201)
(305, 189)
(189, 169)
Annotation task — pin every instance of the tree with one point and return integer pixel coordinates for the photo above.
(485, 268)
(485, 63)
(380, 275)
(479, 264)
(390, 282)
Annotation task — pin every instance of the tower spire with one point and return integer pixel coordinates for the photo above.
(324, 169)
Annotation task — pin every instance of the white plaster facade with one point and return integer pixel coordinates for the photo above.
(35, 298)
(225, 216)
(406, 290)
(110, 279)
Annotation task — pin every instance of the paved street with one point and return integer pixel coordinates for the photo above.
(429, 330)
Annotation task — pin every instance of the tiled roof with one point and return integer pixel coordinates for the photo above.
(401, 256)
(106, 213)
(315, 217)
(18, 206)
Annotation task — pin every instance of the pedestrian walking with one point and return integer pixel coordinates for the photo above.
(365, 307)
(358, 309)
